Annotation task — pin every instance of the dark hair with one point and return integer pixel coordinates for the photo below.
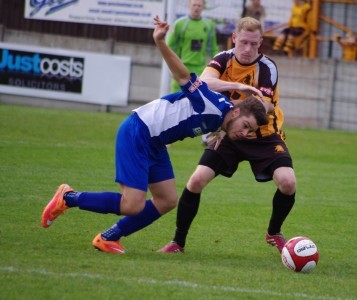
(255, 107)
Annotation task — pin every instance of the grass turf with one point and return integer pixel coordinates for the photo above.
(226, 255)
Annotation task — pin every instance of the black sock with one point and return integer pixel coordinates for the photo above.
(282, 205)
(186, 212)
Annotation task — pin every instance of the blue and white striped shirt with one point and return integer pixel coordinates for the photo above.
(194, 111)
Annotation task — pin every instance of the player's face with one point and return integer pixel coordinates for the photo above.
(196, 7)
(247, 44)
(241, 126)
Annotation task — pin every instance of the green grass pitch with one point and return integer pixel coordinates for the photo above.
(226, 254)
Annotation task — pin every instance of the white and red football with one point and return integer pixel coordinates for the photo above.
(300, 254)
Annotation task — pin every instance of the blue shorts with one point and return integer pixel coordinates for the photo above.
(139, 163)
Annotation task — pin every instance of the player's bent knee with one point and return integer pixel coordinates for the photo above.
(196, 184)
(200, 178)
(284, 178)
(288, 185)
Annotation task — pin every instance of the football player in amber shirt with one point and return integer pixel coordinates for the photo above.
(265, 150)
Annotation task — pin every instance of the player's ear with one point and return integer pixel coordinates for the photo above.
(236, 112)
(234, 36)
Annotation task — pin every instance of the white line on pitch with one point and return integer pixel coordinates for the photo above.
(192, 285)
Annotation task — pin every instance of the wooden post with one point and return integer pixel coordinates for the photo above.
(313, 45)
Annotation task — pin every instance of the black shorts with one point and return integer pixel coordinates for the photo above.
(294, 31)
(264, 154)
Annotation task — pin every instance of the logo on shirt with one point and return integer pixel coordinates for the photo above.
(195, 85)
(247, 79)
(197, 131)
(214, 62)
(279, 148)
(267, 91)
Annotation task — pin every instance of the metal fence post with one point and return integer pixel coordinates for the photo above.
(329, 92)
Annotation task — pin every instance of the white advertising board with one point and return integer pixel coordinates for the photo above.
(130, 13)
(140, 13)
(64, 75)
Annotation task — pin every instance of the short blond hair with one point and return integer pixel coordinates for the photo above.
(249, 24)
(203, 2)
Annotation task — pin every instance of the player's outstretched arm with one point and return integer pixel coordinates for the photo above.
(218, 85)
(177, 68)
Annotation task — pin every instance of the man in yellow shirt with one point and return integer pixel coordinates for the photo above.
(298, 24)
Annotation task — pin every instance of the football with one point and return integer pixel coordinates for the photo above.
(300, 254)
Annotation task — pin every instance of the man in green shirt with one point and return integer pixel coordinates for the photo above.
(192, 38)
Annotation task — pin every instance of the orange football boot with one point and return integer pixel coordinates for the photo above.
(108, 246)
(56, 206)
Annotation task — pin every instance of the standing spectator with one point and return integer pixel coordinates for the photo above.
(255, 10)
(192, 38)
(298, 24)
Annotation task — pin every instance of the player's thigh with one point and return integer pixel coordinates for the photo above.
(164, 195)
(132, 154)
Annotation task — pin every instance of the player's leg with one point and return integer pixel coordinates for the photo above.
(163, 191)
(164, 199)
(189, 202)
(132, 203)
(211, 164)
(131, 159)
(188, 207)
(164, 195)
(283, 201)
(284, 198)
(270, 160)
(140, 214)
(66, 197)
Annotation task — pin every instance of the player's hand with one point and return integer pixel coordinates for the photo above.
(250, 90)
(214, 139)
(161, 28)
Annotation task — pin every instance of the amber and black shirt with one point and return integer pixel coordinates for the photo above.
(262, 74)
